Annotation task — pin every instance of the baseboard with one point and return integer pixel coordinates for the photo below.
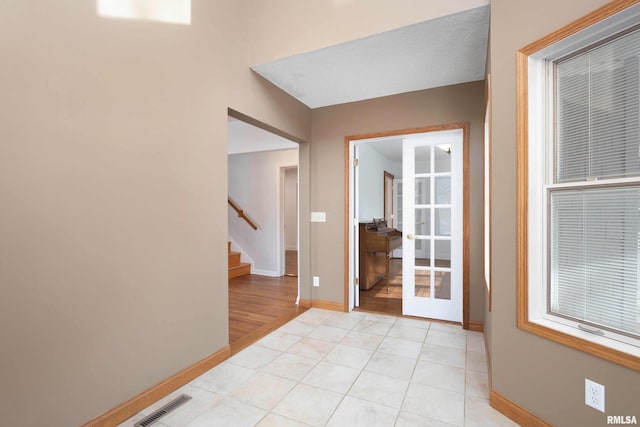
(327, 305)
(136, 404)
(476, 326)
(304, 303)
(267, 273)
(514, 411)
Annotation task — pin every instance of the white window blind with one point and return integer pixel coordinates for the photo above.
(598, 116)
(595, 236)
(594, 230)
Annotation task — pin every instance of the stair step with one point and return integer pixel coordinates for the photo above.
(234, 259)
(240, 270)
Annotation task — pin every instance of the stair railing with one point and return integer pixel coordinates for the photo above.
(241, 213)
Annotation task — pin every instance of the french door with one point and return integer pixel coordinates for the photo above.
(432, 170)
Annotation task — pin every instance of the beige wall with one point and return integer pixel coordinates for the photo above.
(330, 125)
(538, 374)
(280, 28)
(112, 187)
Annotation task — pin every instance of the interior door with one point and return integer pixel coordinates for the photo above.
(432, 225)
(356, 228)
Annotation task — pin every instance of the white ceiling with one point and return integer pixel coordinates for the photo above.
(439, 52)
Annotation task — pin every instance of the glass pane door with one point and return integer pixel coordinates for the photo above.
(432, 232)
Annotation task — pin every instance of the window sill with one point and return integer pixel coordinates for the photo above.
(585, 342)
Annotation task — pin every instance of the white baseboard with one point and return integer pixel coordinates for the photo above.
(291, 248)
(264, 272)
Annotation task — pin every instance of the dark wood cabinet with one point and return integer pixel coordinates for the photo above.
(375, 251)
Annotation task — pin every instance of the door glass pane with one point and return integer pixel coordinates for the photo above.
(423, 159)
(423, 283)
(398, 217)
(442, 253)
(423, 222)
(443, 190)
(423, 191)
(423, 252)
(443, 222)
(442, 285)
(443, 158)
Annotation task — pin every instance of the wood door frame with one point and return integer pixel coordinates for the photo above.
(348, 222)
(387, 176)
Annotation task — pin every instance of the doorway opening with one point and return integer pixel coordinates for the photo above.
(410, 258)
(262, 224)
(289, 215)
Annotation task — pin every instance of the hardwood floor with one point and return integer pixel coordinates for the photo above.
(291, 263)
(386, 296)
(258, 305)
(378, 300)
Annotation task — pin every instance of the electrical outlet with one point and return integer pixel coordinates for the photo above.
(594, 395)
(316, 281)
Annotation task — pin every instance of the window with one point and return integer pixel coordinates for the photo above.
(171, 11)
(579, 185)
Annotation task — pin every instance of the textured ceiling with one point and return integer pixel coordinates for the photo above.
(439, 52)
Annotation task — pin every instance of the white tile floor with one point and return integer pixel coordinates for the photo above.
(344, 369)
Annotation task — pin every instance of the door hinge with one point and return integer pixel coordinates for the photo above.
(356, 281)
(355, 222)
(355, 162)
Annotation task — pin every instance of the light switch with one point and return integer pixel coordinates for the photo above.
(318, 217)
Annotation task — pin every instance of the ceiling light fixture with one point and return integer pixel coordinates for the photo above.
(445, 147)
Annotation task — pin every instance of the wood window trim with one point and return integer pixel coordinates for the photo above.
(348, 221)
(522, 132)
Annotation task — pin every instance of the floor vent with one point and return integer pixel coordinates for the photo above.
(174, 404)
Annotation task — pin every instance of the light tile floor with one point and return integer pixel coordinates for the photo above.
(344, 369)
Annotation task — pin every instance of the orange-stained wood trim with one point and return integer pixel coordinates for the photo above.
(305, 303)
(134, 405)
(580, 24)
(326, 305)
(399, 132)
(514, 411)
(476, 326)
(465, 201)
(585, 346)
(522, 133)
(465, 227)
(384, 193)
